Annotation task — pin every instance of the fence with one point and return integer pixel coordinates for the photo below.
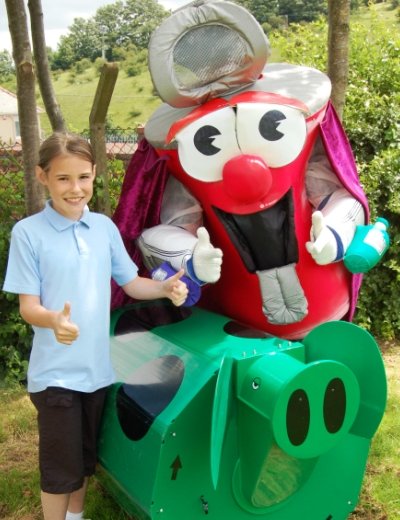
(120, 144)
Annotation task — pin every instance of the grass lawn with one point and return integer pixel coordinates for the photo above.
(19, 485)
(132, 102)
(383, 11)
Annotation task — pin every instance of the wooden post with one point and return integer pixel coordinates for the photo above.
(97, 121)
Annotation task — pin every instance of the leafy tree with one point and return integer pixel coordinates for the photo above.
(261, 10)
(7, 68)
(83, 41)
(129, 22)
(121, 24)
(63, 57)
(302, 10)
(270, 14)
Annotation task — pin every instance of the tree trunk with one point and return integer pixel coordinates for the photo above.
(338, 50)
(42, 66)
(27, 110)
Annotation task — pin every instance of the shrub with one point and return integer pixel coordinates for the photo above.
(372, 115)
(378, 306)
(15, 334)
(81, 66)
(135, 62)
(98, 65)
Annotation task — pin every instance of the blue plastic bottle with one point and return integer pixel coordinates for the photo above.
(368, 246)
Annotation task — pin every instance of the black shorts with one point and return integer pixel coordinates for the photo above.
(69, 423)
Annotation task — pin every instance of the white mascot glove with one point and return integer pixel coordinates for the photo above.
(324, 247)
(207, 259)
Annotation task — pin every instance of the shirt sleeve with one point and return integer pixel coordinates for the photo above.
(123, 268)
(22, 274)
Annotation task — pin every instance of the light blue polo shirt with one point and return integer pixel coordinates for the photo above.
(64, 260)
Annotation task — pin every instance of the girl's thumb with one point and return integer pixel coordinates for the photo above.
(67, 310)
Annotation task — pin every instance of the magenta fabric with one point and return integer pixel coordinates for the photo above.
(341, 157)
(139, 205)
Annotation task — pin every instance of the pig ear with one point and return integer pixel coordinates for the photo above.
(221, 413)
(356, 348)
(204, 50)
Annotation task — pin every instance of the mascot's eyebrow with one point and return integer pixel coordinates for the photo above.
(269, 97)
(196, 113)
(245, 97)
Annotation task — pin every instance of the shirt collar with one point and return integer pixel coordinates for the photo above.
(59, 222)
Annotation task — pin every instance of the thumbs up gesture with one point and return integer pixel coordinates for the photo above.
(65, 331)
(175, 289)
(323, 247)
(207, 259)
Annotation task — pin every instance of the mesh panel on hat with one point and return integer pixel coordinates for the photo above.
(206, 53)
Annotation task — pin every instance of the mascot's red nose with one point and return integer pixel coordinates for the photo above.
(247, 178)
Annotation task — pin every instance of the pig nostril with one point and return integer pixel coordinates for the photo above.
(247, 178)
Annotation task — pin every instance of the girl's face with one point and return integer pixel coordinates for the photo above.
(69, 180)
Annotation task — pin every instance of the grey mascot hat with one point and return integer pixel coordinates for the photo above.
(205, 49)
(214, 48)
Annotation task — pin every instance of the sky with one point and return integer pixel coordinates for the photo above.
(59, 15)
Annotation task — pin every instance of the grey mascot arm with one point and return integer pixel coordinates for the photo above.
(336, 215)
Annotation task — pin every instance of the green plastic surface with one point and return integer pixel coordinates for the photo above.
(253, 430)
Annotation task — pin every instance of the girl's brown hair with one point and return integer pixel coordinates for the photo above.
(61, 143)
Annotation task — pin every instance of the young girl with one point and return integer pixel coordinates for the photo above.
(61, 262)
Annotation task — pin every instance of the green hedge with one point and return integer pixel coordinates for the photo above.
(15, 334)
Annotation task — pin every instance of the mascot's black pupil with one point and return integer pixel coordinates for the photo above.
(269, 123)
(203, 140)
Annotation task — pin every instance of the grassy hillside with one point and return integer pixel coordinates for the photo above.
(132, 101)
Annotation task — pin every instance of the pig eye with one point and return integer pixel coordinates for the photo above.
(276, 133)
(334, 405)
(298, 417)
(207, 144)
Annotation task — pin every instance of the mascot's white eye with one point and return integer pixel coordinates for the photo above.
(207, 144)
(276, 133)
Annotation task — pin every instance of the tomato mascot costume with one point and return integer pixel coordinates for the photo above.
(263, 196)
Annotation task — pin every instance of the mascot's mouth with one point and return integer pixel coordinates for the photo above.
(266, 239)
